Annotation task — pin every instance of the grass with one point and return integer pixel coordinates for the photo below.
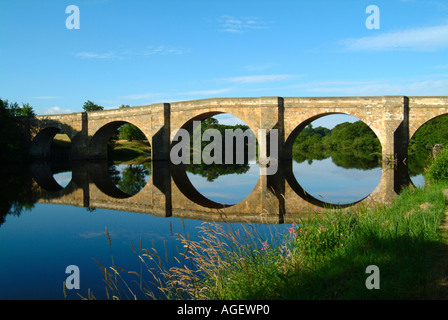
(325, 257)
(61, 140)
(131, 151)
(123, 151)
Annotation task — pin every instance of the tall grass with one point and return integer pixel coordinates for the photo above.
(323, 257)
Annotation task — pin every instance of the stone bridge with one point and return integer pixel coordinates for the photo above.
(394, 119)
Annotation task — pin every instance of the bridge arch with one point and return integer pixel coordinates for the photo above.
(288, 162)
(42, 141)
(424, 109)
(99, 141)
(296, 127)
(179, 172)
(422, 121)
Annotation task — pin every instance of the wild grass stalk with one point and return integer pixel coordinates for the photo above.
(324, 257)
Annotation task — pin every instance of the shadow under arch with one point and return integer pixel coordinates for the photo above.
(43, 175)
(42, 172)
(41, 145)
(288, 159)
(179, 172)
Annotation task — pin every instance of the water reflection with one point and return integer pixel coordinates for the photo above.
(333, 184)
(200, 192)
(15, 191)
(60, 231)
(225, 184)
(130, 178)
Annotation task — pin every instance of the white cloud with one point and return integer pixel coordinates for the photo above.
(57, 110)
(208, 92)
(92, 55)
(443, 66)
(45, 97)
(259, 67)
(147, 95)
(258, 79)
(420, 87)
(240, 25)
(148, 51)
(418, 39)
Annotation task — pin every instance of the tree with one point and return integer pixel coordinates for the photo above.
(11, 137)
(130, 132)
(90, 106)
(26, 110)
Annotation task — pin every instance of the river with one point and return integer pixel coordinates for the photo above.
(39, 240)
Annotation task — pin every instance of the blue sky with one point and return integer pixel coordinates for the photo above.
(142, 52)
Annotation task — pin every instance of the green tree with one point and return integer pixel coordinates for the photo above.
(133, 179)
(26, 110)
(129, 131)
(90, 106)
(438, 169)
(11, 137)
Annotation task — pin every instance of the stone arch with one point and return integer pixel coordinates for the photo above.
(41, 143)
(179, 174)
(415, 125)
(257, 113)
(424, 109)
(287, 157)
(98, 142)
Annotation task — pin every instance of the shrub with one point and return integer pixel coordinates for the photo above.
(438, 169)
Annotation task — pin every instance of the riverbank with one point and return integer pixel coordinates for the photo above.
(121, 151)
(325, 257)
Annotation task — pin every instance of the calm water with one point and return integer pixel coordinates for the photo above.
(38, 244)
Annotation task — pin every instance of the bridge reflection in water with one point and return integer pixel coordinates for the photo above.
(275, 199)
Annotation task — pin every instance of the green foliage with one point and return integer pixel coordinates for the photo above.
(421, 144)
(27, 110)
(351, 145)
(133, 178)
(130, 132)
(344, 136)
(90, 106)
(323, 257)
(438, 169)
(213, 171)
(11, 137)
